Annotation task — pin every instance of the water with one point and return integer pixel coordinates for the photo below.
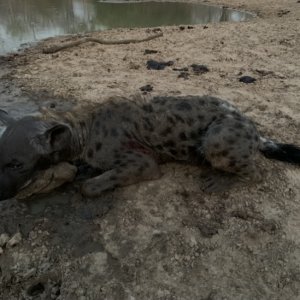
(23, 21)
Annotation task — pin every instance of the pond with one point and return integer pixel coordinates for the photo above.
(24, 21)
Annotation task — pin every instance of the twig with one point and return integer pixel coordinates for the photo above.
(57, 48)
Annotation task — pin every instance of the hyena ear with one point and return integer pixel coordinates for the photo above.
(53, 138)
(5, 118)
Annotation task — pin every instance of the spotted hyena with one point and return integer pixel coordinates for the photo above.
(129, 139)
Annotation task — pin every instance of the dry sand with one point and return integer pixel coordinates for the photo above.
(166, 239)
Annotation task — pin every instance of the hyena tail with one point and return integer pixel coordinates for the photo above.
(283, 152)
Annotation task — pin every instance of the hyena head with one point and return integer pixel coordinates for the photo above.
(26, 146)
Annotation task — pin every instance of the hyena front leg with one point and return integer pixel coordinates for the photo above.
(131, 168)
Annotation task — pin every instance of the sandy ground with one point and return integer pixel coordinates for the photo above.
(166, 239)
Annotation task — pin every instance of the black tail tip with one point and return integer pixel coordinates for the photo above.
(283, 152)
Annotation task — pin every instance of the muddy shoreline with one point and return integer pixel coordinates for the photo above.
(164, 239)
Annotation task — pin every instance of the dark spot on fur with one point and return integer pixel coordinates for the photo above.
(201, 132)
(201, 118)
(114, 132)
(126, 119)
(148, 108)
(117, 156)
(238, 125)
(179, 118)
(173, 152)
(232, 163)
(182, 136)
(128, 135)
(117, 162)
(123, 164)
(190, 121)
(136, 125)
(141, 169)
(193, 135)
(183, 106)
(230, 140)
(248, 136)
(81, 124)
(183, 152)
(147, 138)
(216, 145)
(113, 177)
(148, 125)
(192, 149)
(166, 131)
(224, 153)
(160, 100)
(105, 131)
(171, 120)
(90, 153)
(244, 166)
(159, 147)
(214, 102)
(216, 130)
(169, 143)
(245, 156)
(98, 146)
(97, 124)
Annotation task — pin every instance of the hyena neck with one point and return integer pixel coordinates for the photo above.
(80, 123)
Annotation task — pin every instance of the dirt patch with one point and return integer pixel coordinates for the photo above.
(164, 239)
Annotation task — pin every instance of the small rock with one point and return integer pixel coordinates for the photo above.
(4, 238)
(199, 69)
(247, 79)
(133, 66)
(190, 27)
(15, 240)
(148, 51)
(155, 65)
(184, 75)
(181, 27)
(146, 88)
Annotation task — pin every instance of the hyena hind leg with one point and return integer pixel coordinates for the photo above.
(132, 168)
(230, 147)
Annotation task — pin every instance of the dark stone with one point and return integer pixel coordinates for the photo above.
(146, 88)
(184, 75)
(148, 51)
(190, 27)
(155, 65)
(199, 69)
(247, 79)
(181, 27)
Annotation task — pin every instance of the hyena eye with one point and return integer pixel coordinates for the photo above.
(14, 165)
